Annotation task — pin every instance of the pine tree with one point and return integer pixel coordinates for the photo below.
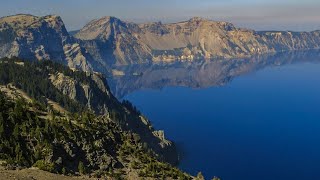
(16, 131)
(81, 168)
(18, 153)
(64, 171)
(1, 125)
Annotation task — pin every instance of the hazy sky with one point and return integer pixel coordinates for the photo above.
(298, 15)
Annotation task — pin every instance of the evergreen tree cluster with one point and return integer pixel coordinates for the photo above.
(35, 134)
(33, 78)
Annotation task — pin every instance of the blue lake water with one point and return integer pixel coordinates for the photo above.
(262, 125)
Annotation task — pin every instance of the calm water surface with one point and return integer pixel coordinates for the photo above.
(263, 125)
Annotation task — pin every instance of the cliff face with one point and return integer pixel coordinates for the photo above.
(286, 40)
(129, 43)
(95, 94)
(40, 38)
(111, 41)
(108, 41)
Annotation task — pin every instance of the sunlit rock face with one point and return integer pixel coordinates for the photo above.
(115, 42)
(41, 38)
(108, 41)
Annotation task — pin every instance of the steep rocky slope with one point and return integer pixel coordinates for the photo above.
(33, 135)
(111, 41)
(92, 126)
(42, 38)
(95, 94)
(118, 42)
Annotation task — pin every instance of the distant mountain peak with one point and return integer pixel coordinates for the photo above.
(53, 17)
(196, 38)
(201, 19)
(195, 19)
(109, 41)
(18, 15)
(24, 17)
(110, 18)
(21, 21)
(104, 20)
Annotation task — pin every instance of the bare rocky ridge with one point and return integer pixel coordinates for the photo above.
(196, 38)
(109, 41)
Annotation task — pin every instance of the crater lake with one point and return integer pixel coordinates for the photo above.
(254, 118)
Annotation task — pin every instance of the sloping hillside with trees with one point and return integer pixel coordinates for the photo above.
(44, 127)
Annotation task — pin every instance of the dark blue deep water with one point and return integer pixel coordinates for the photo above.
(263, 125)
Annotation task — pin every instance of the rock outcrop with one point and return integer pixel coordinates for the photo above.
(41, 38)
(93, 91)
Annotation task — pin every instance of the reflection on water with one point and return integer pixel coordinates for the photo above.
(264, 125)
(199, 74)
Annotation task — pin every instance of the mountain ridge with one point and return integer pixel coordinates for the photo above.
(108, 41)
(196, 38)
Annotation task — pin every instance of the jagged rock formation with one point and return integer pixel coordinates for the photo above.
(116, 42)
(89, 94)
(42, 38)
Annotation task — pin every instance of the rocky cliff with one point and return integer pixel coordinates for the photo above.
(41, 38)
(109, 41)
(94, 93)
(118, 42)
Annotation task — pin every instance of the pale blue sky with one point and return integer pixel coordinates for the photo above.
(298, 15)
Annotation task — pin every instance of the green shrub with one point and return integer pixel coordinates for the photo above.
(41, 164)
